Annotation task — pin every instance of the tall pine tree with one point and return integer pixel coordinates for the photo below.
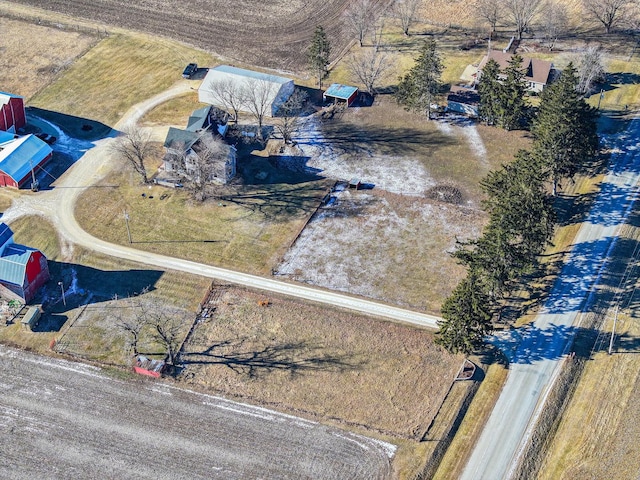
(490, 91)
(318, 53)
(512, 94)
(565, 135)
(418, 88)
(466, 317)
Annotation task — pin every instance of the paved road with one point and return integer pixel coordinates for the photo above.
(58, 205)
(537, 352)
(60, 419)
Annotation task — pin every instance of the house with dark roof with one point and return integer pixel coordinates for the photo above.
(537, 73)
(182, 146)
(20, 157)
(23, 270)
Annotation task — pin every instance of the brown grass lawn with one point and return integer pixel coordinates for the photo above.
(173, 112)
(117, 73)
(320, 363)
(33, 56)
(251, 232)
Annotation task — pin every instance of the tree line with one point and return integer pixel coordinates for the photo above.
(518, 201)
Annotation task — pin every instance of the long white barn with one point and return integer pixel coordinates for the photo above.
(224, 81)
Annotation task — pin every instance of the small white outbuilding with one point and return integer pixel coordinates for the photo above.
(224, 81)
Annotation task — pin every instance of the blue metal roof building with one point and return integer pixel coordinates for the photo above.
(19, 155)
(339, 92)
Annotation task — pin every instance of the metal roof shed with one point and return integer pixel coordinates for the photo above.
(276, 89)
(19, 156)
(339, 92)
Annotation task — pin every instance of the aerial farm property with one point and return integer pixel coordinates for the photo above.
(349, 217)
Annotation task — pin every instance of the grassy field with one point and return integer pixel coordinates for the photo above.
(34, 64)
(598, 434)
(174, 112)
(249, 230)
(117, 73)
(320, 362)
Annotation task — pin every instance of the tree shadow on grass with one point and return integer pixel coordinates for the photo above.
(292, 357)
(275, 202)
(84, 285)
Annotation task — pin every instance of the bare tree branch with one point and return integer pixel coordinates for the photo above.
(257, 100)
(135, 146)
(607, 12)
(555, 21)
(590, 69)
(406, 12)
(369, 68)
(359, 17)
(492, 11)
(521, 13)
(288, 120)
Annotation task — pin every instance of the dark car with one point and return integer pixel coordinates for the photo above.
(189, 70)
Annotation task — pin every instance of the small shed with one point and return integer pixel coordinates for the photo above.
(355, 183)
(341, 93)
(463, 100)
(30, 319)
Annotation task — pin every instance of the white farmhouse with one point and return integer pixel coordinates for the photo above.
(224, 80)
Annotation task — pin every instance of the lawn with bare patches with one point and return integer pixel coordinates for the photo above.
(319, 362)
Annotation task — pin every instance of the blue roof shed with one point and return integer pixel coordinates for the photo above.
(339, 92)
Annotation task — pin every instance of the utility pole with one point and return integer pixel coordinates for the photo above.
(613, 330)
(64, 300)
(126, 220)
(600, 98)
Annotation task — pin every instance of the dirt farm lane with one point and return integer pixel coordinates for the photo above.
(60, 419)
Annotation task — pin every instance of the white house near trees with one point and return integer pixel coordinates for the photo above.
(244, 85)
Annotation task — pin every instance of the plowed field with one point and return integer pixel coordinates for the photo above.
(273, 34)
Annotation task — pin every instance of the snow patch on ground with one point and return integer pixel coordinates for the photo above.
(401, 175)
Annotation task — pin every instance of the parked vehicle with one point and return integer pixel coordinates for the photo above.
(190, 70)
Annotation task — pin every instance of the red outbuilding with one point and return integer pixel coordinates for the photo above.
(23, 270)
(12, 114)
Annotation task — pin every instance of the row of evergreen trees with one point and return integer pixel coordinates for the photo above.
(519, 198)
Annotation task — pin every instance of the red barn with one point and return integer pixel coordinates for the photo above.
(21, 157)
(23, 270)
(12, 114)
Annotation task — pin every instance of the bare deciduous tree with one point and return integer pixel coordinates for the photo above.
(209, 161)
(369, 67)
(167, 329)
(607, 12)
(229, 95)
(135, 146)
(257, 100)
(491, 11)
(521, 13)
(288, 120)
(132, 327)
(407, 12)
(359, 17)
(590, 69)
(554, 23)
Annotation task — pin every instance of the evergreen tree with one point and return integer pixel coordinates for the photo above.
(512, 105)
(521, 222)
(466, 317)
(564, 130)
(490, 91)
(418, 88)
(318, 53)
